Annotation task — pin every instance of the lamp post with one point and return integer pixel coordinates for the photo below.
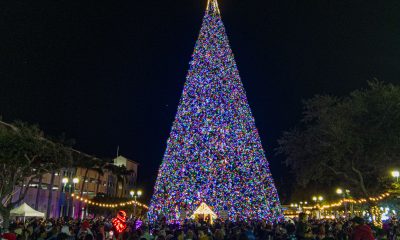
(75, 180)
(135, 195)
(64, 181)
(301, 205)
(317, 199)
(340, 192)
(344, 194)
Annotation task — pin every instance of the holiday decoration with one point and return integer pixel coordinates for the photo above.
(204, 212)
(119, 222)
(214, 154)
(108, 205)
(138, 224)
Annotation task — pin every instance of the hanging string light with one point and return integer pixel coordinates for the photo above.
(108, 205)
(347, 200)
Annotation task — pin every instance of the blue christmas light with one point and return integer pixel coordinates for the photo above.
(214, 153)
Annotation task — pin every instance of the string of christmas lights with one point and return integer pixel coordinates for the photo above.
(347, 200)
(108, 205)
(214, 154)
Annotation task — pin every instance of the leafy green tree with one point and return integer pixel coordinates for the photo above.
(352, 140)
(25, 155)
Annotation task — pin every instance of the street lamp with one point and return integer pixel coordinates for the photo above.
(344, 194)
(75, 180)
(65, 180)
(396, 174)
(339, 191)
(135, 195)
(317, 199)
(314, 198)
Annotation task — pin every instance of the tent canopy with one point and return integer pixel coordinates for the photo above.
(204, 209)
(25, 211)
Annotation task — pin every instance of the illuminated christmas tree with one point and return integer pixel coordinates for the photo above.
(214, 154)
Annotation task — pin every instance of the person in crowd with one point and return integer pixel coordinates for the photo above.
(361, 231)
(303, 229)
(297, 229)
(291, 231)
(9, 235)
(393, 230)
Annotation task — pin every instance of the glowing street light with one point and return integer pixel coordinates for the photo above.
(344, 194)
(318, 198)
(339, 191)
(396, 174)
(65, 180)
(135, 195)
(314, 198)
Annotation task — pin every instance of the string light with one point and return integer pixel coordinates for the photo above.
(214, 153)
(106, 205)
(341, 202)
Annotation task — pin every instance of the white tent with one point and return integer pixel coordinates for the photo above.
(205, 210)
(25, 211)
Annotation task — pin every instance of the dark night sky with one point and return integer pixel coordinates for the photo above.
(111, 73)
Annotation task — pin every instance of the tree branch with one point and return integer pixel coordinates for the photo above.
(361, 178)
(25, 191)
(345, 175)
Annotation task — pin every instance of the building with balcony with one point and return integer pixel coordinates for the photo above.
(51, 193)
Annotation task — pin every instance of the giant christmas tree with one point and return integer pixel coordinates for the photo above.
(214, 154)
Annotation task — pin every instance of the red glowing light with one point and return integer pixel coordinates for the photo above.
(119, 222)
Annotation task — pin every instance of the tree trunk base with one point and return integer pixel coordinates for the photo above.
(6, 219)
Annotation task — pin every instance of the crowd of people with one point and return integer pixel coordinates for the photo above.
(103, 229)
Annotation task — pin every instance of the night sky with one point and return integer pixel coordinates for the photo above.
(111, 73)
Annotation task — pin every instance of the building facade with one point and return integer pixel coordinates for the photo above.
(51, 193)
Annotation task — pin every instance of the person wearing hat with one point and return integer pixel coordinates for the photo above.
(361, 231)
(9, 235)
(84, 230)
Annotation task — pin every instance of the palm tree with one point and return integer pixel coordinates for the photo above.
(88, 164)
(117, 172)
(100, 172)
(125, 174)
